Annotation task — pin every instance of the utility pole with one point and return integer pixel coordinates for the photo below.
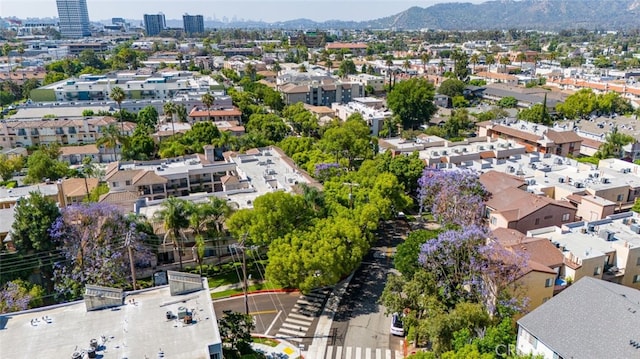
(127, 242)
(245, 284)
(351, 184)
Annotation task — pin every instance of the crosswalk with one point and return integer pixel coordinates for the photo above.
(302, 315)
(339, 352)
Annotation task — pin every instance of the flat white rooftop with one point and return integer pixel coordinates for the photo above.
(139, 330)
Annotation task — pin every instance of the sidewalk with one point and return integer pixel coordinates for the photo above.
(283, 347)
(323, 329)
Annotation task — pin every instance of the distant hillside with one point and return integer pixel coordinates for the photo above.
(497, 14)
(524, 14)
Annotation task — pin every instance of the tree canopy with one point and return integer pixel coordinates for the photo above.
(412, 101)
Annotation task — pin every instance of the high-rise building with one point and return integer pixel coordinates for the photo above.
(154, 24)
(193, 24)
(74, 18)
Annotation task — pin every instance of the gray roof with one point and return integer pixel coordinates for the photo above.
(590, 319)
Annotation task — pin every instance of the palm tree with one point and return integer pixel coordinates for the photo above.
(521, 57)
(110, 139)
(169, 109)
(6, 50)
(474, 59)
(117, 95)
(614, 142)
(504, 61)
(208, 218)
(21, 51)
(181, 113)
(207, 100)
(389, 62)
(425, 57)
(490, 60)
(406, 65)
(174, 214)
(329, 65)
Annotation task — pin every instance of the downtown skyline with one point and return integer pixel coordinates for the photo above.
(268, 11)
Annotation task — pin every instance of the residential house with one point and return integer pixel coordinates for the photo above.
(75, 190)
(216, 114)
(590, 319)
(356, 49)
(523, 211)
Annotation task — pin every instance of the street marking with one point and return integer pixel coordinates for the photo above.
(378, 353)
(295, 326)
(339, 352)
(367, 353)
(296, 321)
(291, 332)
(273, 323)
(329, 352)
(348, 353)
(264, 312)
(299, 316)
(358, 353)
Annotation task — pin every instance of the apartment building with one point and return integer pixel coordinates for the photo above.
(136, 86)
(374, 117)
(607, 249)
(60, 131)
(321, 93)
(376, 82)
(535, 137)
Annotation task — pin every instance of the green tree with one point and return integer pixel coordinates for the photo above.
(34, 216)
(536, 114)
(406, 257)
(412, 102)
(148, 118)
(614, 142)
(174, 215)
(458, 121)
(273, 216)
(235, 331)
(10, 165)
(139, 146)
(581, 104)
(350, 139)
(461, 65)
(18, 295)
(508, 102)
(40, 166)
(347, 67)
(270, 126)
(451, 87)
(118, 95)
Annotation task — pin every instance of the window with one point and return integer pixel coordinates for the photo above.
(115, 184)
(533, 341)
(127, 183)
(597, 270)
(638, 261)
(537, 220)
(545, 299)
(494, 221)
(636, 278)
(548, 282)
(565, 217)
(619, 198)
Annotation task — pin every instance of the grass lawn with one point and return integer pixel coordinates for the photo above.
(266, 341)
(252, 288)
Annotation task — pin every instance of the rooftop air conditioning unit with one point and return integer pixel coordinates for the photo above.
(578, 185)
(481, 148)
(435, 153)
(561, 179)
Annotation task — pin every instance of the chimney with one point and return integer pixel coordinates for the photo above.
(209, 153)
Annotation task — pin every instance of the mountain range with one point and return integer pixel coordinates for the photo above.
(496, 14)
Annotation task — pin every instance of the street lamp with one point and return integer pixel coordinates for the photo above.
(351, 185)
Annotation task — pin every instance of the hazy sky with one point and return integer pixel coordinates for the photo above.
(267, 10)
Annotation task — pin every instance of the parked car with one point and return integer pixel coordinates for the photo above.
(397, 328)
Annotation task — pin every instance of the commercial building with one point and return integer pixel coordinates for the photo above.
(169, 321)
(74, 18)
(193, 24)
(154, 24)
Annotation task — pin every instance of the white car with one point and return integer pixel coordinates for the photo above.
(397, 328)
